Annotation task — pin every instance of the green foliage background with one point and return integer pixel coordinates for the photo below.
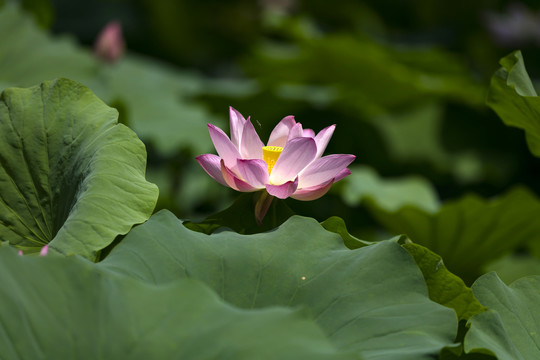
(433, 99)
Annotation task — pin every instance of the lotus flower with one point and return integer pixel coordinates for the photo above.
(290, 165)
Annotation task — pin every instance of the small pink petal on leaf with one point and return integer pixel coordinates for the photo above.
(254, 172)
(44, 250)
(224, 147)
(282, 191)
(280, 134)
(296, 155)
(323, 169)
(20, 253)
(212, 165)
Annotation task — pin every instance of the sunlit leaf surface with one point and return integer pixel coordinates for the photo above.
(371, 300)
(61, 308)
(69, 174)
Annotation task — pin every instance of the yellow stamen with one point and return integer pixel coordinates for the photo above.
(270, 155)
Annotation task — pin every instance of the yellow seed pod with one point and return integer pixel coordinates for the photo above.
(270, 155)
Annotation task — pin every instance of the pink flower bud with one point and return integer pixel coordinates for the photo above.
(110, 45)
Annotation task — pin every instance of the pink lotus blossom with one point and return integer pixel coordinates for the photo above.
(290, 165)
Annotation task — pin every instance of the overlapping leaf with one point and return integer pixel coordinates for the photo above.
(510, 330)
(467, 233)
(514, 99)
(69, 174)
(444, 287)
(59, 308)
(371, 300)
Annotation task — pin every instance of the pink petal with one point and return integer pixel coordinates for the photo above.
(254, 172)
(237, 122)
(312, 193)
(233, 181)
(323, 169)
(212, 165)
(280, 134)
(224, 147)
(282, 191)
(296, 131)
(296, 155)
(20, 253)
(308, 133)
(44, 250)
(250, 144)
(322, 139)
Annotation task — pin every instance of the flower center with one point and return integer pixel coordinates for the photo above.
(270, 156)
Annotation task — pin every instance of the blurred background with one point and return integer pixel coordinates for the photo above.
(405, 82)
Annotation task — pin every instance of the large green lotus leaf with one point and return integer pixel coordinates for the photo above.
(75, 310)
(468, 233)
(513, 97)
(70, 175)
(510, 330)
(155, 96)
(371, 300)
(444, 287)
